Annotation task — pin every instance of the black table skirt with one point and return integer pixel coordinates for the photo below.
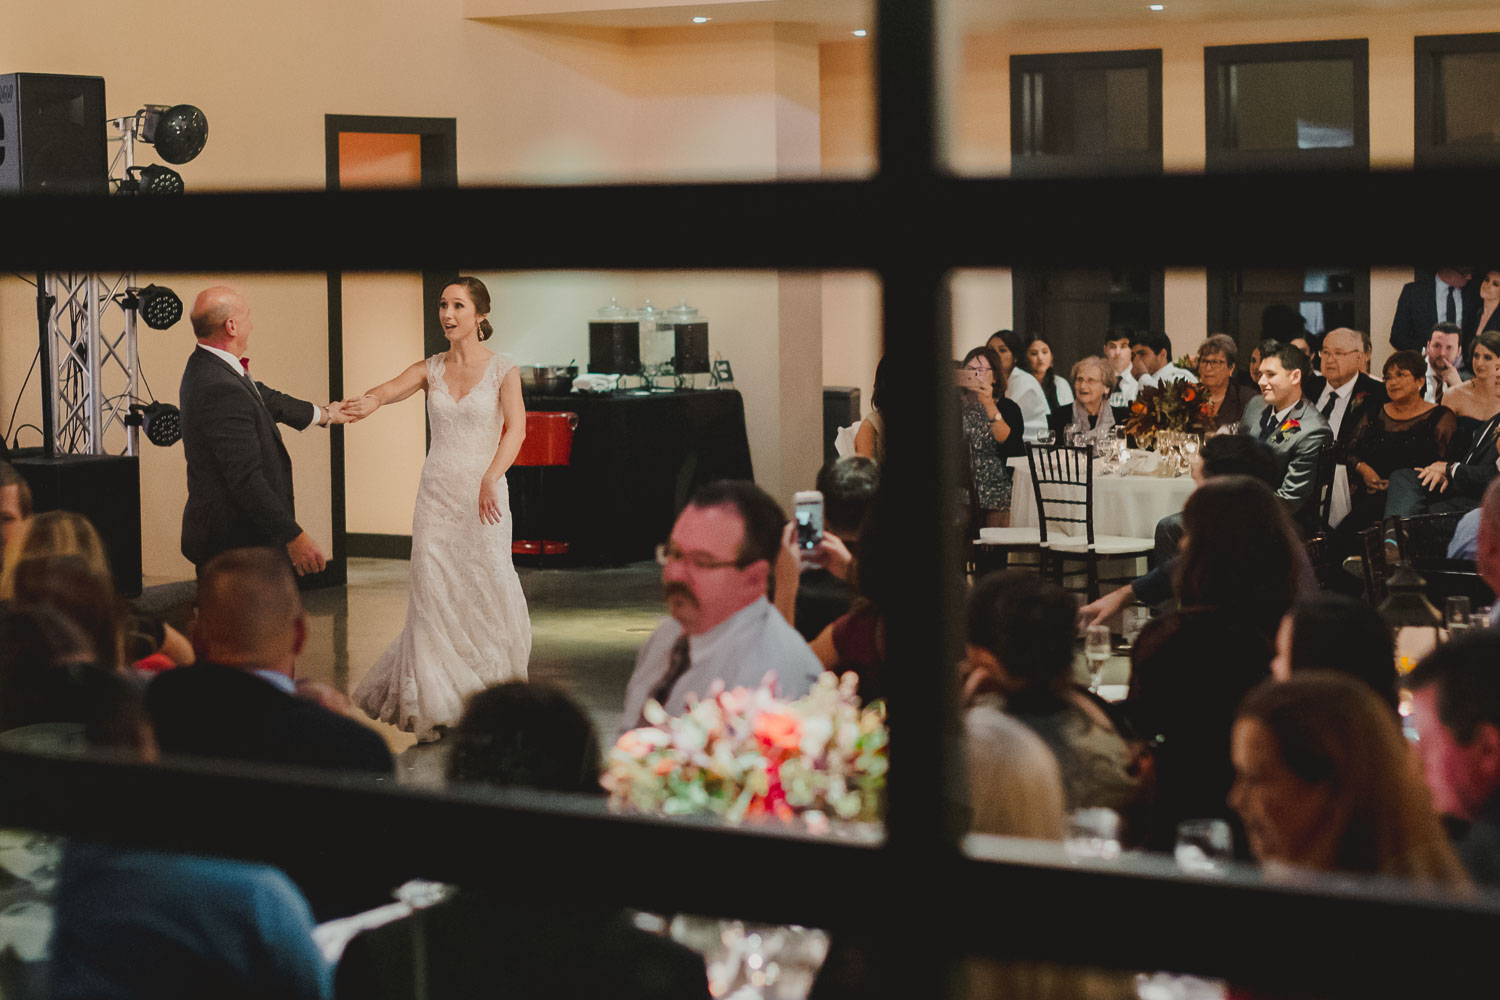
(636, 460)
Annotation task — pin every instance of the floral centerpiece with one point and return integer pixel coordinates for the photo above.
(1172, 406)
(746, 754)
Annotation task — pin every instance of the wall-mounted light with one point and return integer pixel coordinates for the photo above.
(859, 33)
(1158, 6)
(702, 20)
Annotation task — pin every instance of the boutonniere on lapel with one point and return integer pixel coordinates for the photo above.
(1287, 429)
(1359, 397)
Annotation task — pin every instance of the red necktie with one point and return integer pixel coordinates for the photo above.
(245, 364)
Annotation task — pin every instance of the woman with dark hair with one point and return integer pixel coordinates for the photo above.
(1406, 433)
(525, 735)
(1324, 781)
(992, 428)
(466, 621)
(1489, 301)
(855, 641)
(1478, 399)
(869, 440)
(1241, 566)
(1338, 633)
(1019, 384)
(1039, 363)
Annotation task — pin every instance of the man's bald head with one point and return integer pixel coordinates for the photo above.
(249, 612)
(221, 318)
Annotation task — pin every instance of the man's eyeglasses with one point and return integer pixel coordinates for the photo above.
(668, 554)
(1328, 352)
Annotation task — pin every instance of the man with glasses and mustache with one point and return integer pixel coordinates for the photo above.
(716, 575)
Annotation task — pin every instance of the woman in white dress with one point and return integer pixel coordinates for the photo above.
(466, 620)
(1020, 385)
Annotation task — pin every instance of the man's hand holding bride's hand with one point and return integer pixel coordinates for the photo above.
(489, 502)
(336, 413)
(359, 407)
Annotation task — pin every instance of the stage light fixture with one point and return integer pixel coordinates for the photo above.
(152, 179)
(161, 421)
(178, 132)
(160, 307)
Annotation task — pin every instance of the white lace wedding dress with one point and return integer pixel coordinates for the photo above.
(466, 620)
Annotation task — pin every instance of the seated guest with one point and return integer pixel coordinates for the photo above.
(1341, 394)
(1015, 788)
(1444, 362)
(1323, 781)
(1222, 455)
(70, 586)
(817, 582)
(1019, 385)
(1020, 646)
(1217, 364)
(855, 641)
(1152, 352)
(1242, 566)
(1406, 433)
(1039, 363)
(1121, 367)
(43, 652)
(1089, 415)
(519, 735)
(716, 575)
(239, 701)
(1287, 422)
(1456, 708)
(1338, 633)
(15, 503)
(1250, 373)
(1476, 401)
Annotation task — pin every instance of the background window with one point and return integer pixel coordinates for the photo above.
(1088, 112)
(1296, 104)
(1255, 303)
(1457, 115)
(1074, 307)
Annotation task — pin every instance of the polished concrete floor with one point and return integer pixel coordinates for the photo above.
(586, 625)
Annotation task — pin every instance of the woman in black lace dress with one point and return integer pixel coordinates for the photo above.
(1406, 433)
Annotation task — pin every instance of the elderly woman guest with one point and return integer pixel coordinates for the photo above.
(1406, 433)
(1217, 365)
(992, 429)
(1323, 781)
(1089, 412)
(1039, 363)
(1020, 385)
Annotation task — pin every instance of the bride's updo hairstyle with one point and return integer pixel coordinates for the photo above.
(480, 296)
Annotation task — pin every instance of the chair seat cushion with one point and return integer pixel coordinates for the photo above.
(1104, 545)
(1009, 536)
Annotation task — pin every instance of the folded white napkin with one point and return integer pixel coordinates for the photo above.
(1140, 463)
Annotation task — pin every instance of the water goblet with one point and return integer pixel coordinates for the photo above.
(1093, 833)
(1457, 613)
(1096, 652)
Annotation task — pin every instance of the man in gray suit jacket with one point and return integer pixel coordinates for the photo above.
(1290, 426)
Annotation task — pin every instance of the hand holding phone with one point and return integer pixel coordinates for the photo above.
(808, 505)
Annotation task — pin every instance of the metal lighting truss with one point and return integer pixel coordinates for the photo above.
(90, 367)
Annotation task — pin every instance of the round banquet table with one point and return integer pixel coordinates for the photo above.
(1123, 505)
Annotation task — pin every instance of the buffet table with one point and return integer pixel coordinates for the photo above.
(1123, 505)
(636, 459)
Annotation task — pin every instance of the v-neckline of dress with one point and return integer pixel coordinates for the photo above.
(443, 377)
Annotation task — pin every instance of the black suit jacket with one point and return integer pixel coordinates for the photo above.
(239, 473)
(1416, 313)
(1367, 392)
(208, 710)
(1472, 476)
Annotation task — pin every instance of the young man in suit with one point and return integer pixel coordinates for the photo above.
(1290, 426)
(239, 473)
(1440, 296)
(1341, 395)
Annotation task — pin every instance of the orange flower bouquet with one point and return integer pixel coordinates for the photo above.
(1175, 406)
(749, 754)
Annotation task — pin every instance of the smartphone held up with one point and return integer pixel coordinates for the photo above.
(808, 510)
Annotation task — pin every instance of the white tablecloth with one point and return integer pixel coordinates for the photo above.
(1123, 505)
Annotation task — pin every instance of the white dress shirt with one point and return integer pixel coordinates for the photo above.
(1339, 503)
(1442, 303)
(1126, 388)
(240, 370)
(1432, 383)
(1022, 388)
(1167, 373)
(738, 651)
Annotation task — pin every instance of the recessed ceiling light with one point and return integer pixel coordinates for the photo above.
(702, 20)
(860, 33)
(1158, 6)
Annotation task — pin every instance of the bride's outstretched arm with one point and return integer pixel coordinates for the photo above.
(514, 408)
(394, 391)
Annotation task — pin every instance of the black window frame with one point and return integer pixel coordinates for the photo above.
(1222, 298)
(1024, 164)
(1029, 297)
(1217, 112)
(1427, 98)
(917, 895)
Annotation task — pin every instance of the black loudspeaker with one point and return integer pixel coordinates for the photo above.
(106, 489)
(691, 353)
(840, 409)
(52, 134)
(615, 348)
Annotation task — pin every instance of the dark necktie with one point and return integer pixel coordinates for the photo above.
(1333, 401)
(1437, 395)
(1452, 307)
(678, 663)
(1267, 422)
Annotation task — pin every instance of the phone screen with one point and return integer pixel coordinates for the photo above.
(809, 515)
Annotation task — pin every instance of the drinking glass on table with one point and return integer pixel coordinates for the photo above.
(1203, 844)
(1457, 613)
(1093, 833)
(1096, 652)
(1132, 620)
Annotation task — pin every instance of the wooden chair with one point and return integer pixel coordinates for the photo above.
(1423, 542)
(1062, 480)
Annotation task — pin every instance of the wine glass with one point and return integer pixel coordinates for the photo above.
(1093, 833)
(1457, 613)
(1096, 651)
(1202, 844)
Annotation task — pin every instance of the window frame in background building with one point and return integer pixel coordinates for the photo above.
(1430, 100)
(1027, 129)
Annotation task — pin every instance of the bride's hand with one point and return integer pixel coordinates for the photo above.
(489, 502)
(360, 407)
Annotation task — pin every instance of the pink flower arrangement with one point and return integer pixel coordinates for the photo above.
(748, 754)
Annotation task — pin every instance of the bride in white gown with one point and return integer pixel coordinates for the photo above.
(466, 621)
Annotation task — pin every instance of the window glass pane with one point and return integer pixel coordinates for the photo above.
(1470, 114)
(1301, 104)
(1278, 302)
(1088, 111)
